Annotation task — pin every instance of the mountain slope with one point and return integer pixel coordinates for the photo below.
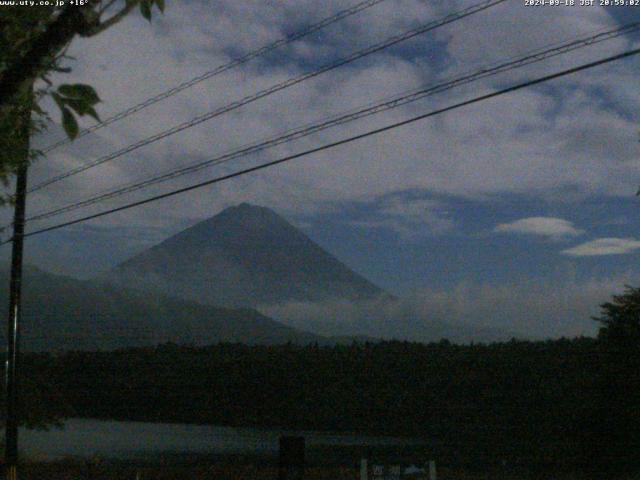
(244, 256)
(60, 313)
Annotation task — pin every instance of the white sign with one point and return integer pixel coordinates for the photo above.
(378, 472)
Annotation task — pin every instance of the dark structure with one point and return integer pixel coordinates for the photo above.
(291, 460)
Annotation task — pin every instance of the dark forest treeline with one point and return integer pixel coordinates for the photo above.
(562, 403)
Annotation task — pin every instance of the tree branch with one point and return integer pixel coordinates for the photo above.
(107, 6)
(102, 26)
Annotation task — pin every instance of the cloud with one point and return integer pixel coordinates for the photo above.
(529, 308)
(604, 246)
(401, 319)
(532, 140)
(544, 226)
(410, 218)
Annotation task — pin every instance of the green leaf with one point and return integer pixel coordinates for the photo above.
(92, 112)
(58, 99)
(145, 9)
(81, 107)
(160, 4)
(80, 91)
(69, 123)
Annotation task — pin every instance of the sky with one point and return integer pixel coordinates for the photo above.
(520, 209)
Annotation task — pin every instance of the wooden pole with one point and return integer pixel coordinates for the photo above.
(363, 469)
(15, 291)
(432, 470)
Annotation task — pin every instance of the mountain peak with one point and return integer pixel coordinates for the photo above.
(248, 211)
(244, 208)
(240, 224)
(247, 255)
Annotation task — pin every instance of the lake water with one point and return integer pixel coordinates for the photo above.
(130, 440)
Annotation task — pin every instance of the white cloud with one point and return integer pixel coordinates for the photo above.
(604, 246)
(411, 218)
(545, 226)
(528, 308)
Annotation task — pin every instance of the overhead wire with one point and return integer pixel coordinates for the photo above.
(390, 41)
(220, 69)
(372, 109)
(344, 141)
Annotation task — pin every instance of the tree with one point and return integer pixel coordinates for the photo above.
(34, 43)
(620, 319)
(610, 426)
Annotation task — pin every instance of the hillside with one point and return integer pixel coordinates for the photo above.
(61, 313)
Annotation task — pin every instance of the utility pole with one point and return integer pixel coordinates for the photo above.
(15, 288)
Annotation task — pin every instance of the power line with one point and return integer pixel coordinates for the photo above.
(221, 69)
(328, 146)
(275, 88)
(393, 102)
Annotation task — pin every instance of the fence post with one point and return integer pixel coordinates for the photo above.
(291, 461)
(363, 469)
(432, 470)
